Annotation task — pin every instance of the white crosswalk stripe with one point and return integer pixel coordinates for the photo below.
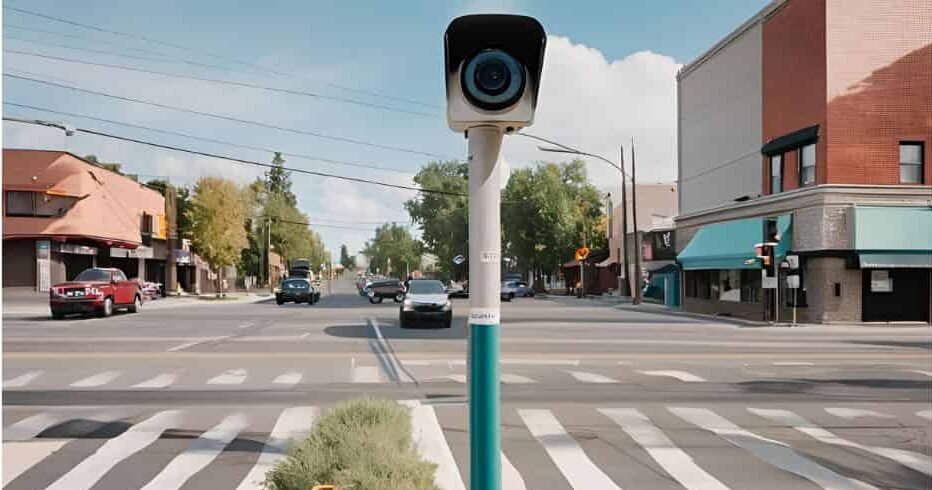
(926, 414)
(199, 454)
(508, 378)
(770, 451)
(96, 380)
(432, 446)
(671, 458)
(229, 377)
(919, 371)
(908, 459)
(566, 454)
(34, 425)
(161, 381)
(20, 456)
(290, 378)
(856, 413)
(22, 380)
(587, 377)
(511, 479)
(135, 439)
(680, 375)
(293, 423)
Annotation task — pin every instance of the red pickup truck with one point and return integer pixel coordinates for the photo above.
(98, 291)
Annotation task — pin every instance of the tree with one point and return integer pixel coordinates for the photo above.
(393, 251)
(218, 216)
(346, 260)
(443, 218)
(278, 181)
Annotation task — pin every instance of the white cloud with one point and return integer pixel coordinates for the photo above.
(597, 105)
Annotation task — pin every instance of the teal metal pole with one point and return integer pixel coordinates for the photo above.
(485, 244)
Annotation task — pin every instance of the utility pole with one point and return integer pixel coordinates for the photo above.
(268, 254)
(624, 224)
(634, 217)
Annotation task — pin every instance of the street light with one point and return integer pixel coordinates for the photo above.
(561, 148)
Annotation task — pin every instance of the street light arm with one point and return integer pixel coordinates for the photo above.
(568, 149)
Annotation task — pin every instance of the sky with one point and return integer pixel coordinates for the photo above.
(609, 77)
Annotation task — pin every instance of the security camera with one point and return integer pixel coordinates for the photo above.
(493, 65)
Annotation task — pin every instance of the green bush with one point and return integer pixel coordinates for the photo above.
(358, 445)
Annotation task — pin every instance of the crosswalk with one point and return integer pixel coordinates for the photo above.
(813, 446)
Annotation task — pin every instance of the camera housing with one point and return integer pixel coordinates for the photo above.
(493, 64)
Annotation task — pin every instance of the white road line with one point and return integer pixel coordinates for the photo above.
(22, 380)
(199, 454)
(290, 378)
(459, 378)
(32, 426)
(20, 456)
(161, 381)
(587, 377)
(304, 335)
(521, 362)
(229, 377)
(680, 375)
(854, 413)
(570, 459)
(196, 342)
(516, 379)
(909, 459)
(135, 439)
(246, 325)
(293, 423)
(926, 414)
(918, 371)
(432, 445)
(770, 451)
(388, 355)
(511, 479)
(98, 379)
(664, 451)
(794, 363)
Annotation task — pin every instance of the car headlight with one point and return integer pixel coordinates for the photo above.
(408, 305)
(447, 306)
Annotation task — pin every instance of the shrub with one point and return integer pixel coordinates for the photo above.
(358, 445)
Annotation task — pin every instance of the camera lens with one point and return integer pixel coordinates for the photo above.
(493, 79)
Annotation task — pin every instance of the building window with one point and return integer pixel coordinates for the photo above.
(750, 285)
(776, 174)
(807, 161)
(729, 285)
(36, 204)
(911, 163)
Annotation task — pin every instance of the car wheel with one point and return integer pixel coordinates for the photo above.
(107, 309)
(375, 300)
(57, 316)
(279, 302)
(137, 305)
(399, 297)
(511, 296)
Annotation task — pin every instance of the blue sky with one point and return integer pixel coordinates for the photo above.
(608, 78)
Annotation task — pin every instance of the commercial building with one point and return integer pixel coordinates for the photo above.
(63, 214)
(810, 126)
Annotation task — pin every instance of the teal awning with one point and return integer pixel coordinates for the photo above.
(730, 245)
(892, 237)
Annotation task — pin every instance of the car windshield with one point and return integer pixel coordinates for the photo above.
(95, 275)
(295, 284)
(426, 287)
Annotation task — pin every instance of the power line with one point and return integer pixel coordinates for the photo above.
(223, 157)
(219, 81)
(719, 167)
(209, 140)
(306, 223)
(224, 117)
(190, 50)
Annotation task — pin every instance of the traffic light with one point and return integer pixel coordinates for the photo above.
(764, 252)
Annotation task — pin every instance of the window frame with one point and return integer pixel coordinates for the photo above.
(799, 157)
(921, 164)
(780, 157)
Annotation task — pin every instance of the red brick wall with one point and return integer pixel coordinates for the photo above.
(879, 87)
(794, 81)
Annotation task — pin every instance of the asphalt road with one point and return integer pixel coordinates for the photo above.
(202, 396)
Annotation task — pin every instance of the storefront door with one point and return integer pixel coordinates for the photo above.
(895, 295)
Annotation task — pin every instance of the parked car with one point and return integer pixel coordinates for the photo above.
(392, 288)
(97, 291)
(458, 291)
(426, 300)
(516, 289)
(297, 290)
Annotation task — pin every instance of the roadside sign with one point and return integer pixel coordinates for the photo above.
(582, 253)
(792, 281)
(459, 259)
(792, 261)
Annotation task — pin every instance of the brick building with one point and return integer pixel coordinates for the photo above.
(811, 125)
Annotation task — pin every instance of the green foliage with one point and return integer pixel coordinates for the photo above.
(444, 219)
(359, 445)
(217, 215)
(393, 244)
(278, 181)
(346, 260)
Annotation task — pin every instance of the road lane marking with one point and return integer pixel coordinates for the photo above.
(32, 426)
(671, 458)
(926, 414)
(161, 381)
(432, 445)
(229, 377)
(304, 335)
(680, 375)
(854, 413)
(511, 479)
(98, 379)
(462, 362)
(566, 454)
(22, 380)
(587, 377)
(199, 454)
(392, 367)
(135, 439)
(794, 363)
(185, 345)
(246, 325)
(516, 379)
(293, 423)
(290, 378)
(917, 371)
(20, 456)
(909, 459)
(770, 451)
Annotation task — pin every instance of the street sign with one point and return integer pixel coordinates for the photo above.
(792, 281)
(792, 261)
(582, 253)
(459, 259)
